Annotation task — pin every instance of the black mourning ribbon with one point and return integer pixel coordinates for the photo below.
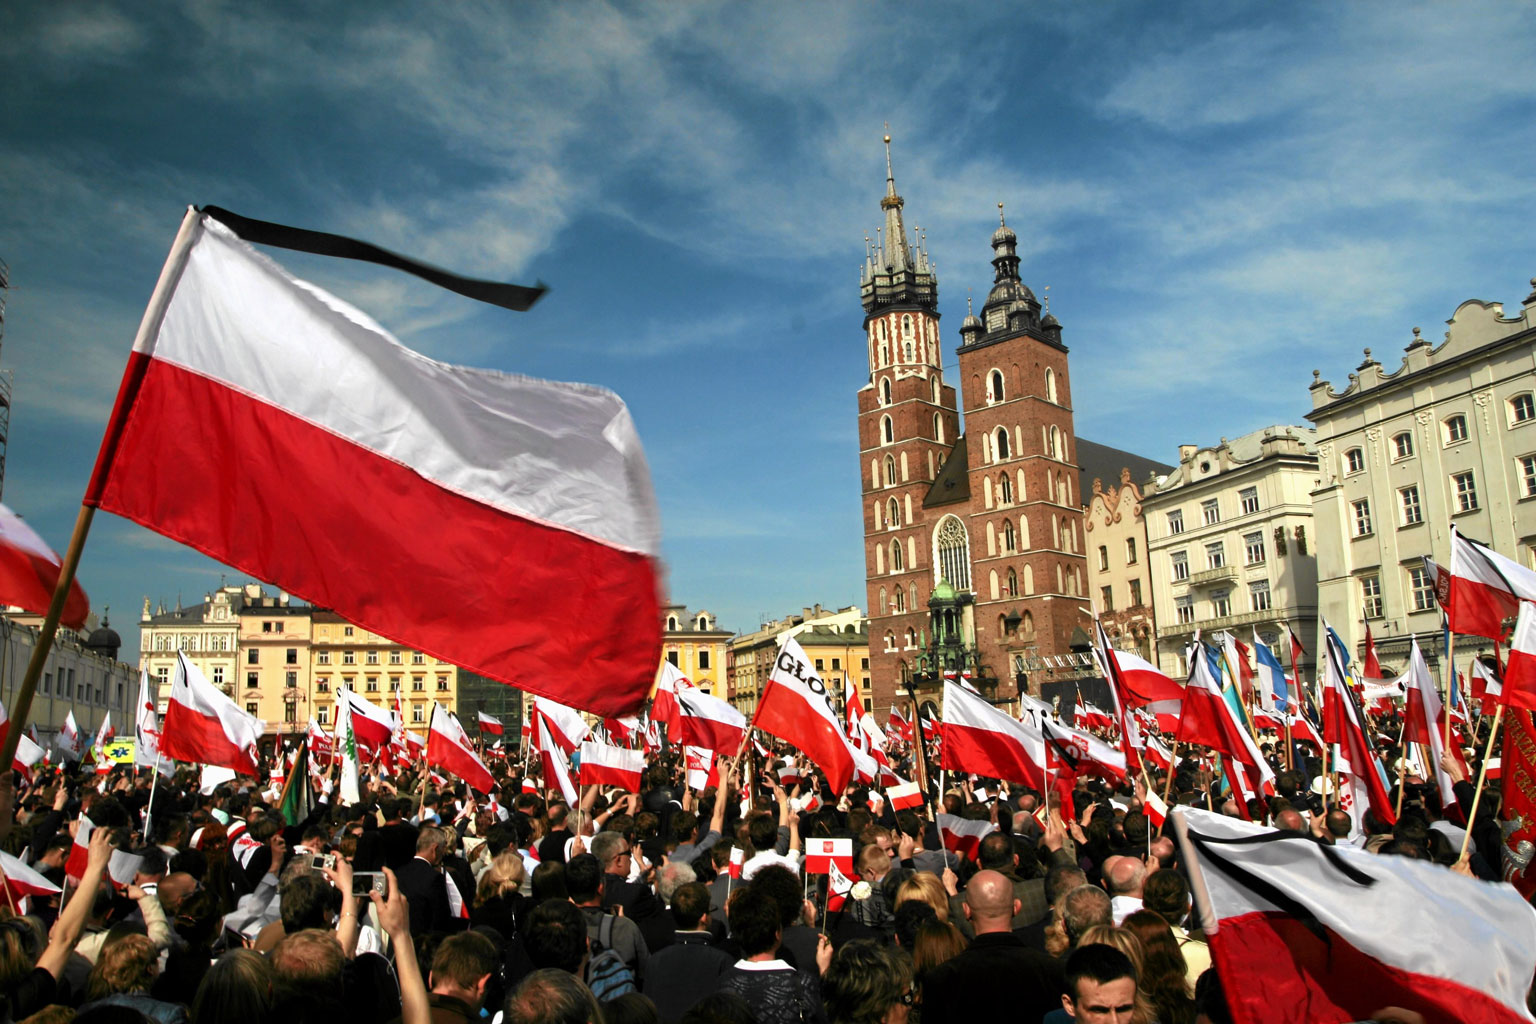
(1268, 890)
(516, 297)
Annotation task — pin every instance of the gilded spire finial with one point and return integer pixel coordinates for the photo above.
(1047, 292)
(968, 310)
(1000, 219)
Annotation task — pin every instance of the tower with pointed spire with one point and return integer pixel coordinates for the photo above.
(908, 425)
(981, 530)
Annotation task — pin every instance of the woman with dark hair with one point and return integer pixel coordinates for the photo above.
(868, 983)
(934, 943)
(1163, 970)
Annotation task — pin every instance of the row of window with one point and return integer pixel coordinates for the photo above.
(419, 712)
(911, 347)
(1453, 430)
(675, 658)
(1463, 498)
(86, 693)
(1107, 596)
(1221, 603)
(996, 392)
(1210, 510)
(1254, 553)
(370, 658)
(1421, 591)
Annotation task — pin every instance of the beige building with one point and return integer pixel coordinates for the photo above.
(751, 654)
(1230, 537)
(273, 681)
(208, 633)
(840, 655)
(696, 645)
(82, 674)
(375, 667)
(1448, 437)
(1119, 567)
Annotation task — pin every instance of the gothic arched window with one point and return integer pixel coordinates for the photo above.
(885, 390)
(954, 553)
(887, 429)
(1050, 384)
(1013, 583)
(893, 513)
(996, 385)
(890, 471)
(1000, 445)
(1010, 537)
(1004, 490)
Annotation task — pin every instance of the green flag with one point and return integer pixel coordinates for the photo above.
(298, 799)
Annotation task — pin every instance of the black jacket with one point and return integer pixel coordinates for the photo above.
(426, 893)
(685, 972)
(641, 906)
(997, 978)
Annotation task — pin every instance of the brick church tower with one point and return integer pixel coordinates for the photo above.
(972, 543)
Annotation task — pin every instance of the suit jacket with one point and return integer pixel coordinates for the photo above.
(427, 896)
(685, 972)
(1030, 892)
(997, 978)
(641, 906)
(399, 844)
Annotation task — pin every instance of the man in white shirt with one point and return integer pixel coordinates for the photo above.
(1122, 878)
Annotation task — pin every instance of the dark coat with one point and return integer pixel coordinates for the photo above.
(643, 907)
(399, 844)
(997, 978)
(685, 972)
(426, 893)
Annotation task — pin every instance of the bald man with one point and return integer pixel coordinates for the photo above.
(1122, 878)
(998, 976)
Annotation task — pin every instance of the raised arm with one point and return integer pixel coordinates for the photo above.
(394, 918)
(66, 930)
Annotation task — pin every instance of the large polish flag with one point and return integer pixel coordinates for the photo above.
(797, 707)
(1209, 720)
(1344, 726)
(1482, 588)
(1519, 689)
(979, 738)
(1144, 682)
(670, 681)
(499, 522)
(489, 723)
(1332, 933)
(707, 721)
(602, 765)
(449, 748)
(556, 768)
(29, 572)
(203, 726)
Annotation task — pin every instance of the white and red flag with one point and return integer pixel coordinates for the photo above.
(1344, 726)
(839, 885)
(203, 726)
(28, 753)
(707, 721)
(623, 729)
(524, 505)
(566, 725)
(1144, 683)
(664, 708)
(1086, 716)
(1487, 687)
(1424, 722)
(1519, 687)
(703, 769)
(104, 735)
(1081, 753)
(372, 725)
(789, 774)
(449, 748)
(146, 731)
(22, 881)
(820, 853)
(962, 835)
(1481, 588)
(897, 726)
(79, 852)
(979, 738)
(738, 858)
(797, 708)
(1208, 718)
(1155, 809)
(1299, 930)
(29, 573)
(904, 795)
(556, 768)
(603, 765)
(69, 741)
(489, 723)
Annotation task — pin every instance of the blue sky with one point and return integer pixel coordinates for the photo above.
(1220, 196)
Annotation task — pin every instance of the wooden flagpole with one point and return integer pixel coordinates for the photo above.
(1449, 674)
(1482, 775)
(1173, 764)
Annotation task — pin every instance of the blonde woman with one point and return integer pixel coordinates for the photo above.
(498, 897)
(926, 887)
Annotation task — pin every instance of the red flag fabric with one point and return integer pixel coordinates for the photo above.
(29, 573)
(702, 766)
(897, 722)
(1208, 719)
(1424, 722)
(79, 852)
(1519, 689)
(979, 738)
(904, 795)
(797, 708)
(449, 748)
(22, 881)
(1487, 687)
(1342, 933)
(523, 505)
(566, 726)
(372, 726)
(1143, 682)
(203, 726)
(839, 885)
(489, 723)
(602, 765)
(1372, 667)
(1518, 785)
(664, 707)
(1482, 588)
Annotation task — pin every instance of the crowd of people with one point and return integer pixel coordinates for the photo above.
(431, 902)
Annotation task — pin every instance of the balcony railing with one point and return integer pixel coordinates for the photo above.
(1220, 574)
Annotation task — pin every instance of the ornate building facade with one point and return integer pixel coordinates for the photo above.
(973, 542)
(1447, 437)
(1119, 568)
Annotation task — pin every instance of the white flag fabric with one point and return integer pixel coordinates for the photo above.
(449, 748)
(797, 708)
(348, 790)
(1332, 933)
(146, 730)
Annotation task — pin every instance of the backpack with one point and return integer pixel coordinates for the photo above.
(608, 976)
